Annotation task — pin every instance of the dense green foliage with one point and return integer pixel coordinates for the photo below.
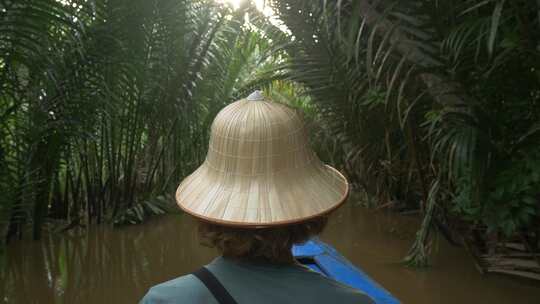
(429, 105)
(105, 105)
(433, 103)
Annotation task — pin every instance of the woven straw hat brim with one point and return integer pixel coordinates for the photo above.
(260, 170)
(283, 198)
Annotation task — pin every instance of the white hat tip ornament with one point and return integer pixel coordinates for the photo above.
(260, 170)
(255, 96)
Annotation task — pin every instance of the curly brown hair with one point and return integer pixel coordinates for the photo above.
(271, 244)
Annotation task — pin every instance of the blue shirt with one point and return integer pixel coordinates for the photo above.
(259, 283)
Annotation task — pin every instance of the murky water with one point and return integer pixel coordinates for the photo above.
(105, 265)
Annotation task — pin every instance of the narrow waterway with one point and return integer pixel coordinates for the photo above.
(105, 265)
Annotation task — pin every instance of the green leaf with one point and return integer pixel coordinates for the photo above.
(495, 22)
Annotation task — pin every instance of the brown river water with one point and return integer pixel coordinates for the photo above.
(106, 265)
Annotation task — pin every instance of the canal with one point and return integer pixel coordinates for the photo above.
(106, 265)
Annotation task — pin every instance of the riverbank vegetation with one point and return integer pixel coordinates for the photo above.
(427, 106)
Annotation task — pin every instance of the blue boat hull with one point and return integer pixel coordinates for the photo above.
(325, 259)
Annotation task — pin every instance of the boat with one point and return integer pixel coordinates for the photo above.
(325, 259)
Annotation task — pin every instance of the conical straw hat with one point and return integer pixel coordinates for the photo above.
(260, 170)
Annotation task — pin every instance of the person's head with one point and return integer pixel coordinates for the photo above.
(261, 188)
(259, 244)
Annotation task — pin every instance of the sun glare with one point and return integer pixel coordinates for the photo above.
(263, 7)
(233, 3)
(260, 4)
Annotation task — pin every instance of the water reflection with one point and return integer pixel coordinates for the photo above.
(105, 265)
(102, 266)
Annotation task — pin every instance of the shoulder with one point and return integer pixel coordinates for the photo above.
(337, 290)
(355, 296)
(184, 289)
(349, 294)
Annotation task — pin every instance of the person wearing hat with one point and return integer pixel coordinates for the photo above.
(260, 190)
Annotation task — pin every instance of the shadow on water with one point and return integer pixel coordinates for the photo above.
(105, 265)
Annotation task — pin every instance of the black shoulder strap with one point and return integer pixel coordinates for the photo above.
(214, 286)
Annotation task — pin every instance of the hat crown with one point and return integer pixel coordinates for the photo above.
(257, 138)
